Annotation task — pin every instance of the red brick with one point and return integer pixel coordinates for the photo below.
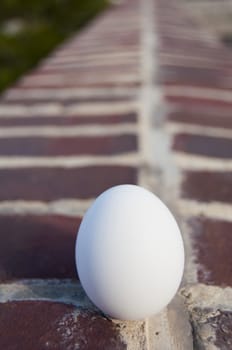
(203, 145)
(202, 118)
(223, 55)
(213, 247)
(208, 186)
(66, 146)
(37, 246)
(69, 120)
(41, 325)
(54, 183)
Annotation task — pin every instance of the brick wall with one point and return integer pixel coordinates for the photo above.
(195, 77)
(142, 95)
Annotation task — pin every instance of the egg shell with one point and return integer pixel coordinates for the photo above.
(129, 253)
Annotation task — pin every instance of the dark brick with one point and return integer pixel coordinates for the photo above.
(203, 145)
(66, 146)
(41, 325)
(213, 247)
(212, 327)
(223, 323)
(202, 118)
(69, 120)
(54, 183)
(37, 247)
(208, 186)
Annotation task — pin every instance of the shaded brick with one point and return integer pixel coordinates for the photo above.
(79, 52)
(84, 83)
(54, 183)
(37, 247)
(192, 102)
(41, 325)
(83, 71)
(193, 76)
(69, 120)
(212, 327)
(45, 146)
(201, 118)
(104, 69)
(223, 322)
(213, 247)
(67, 101)
(201, 107)
(203, 145)
(181, 42)
(205, 53)
(208, 186)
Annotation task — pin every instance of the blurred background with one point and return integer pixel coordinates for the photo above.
(29, 29)
(215, 16)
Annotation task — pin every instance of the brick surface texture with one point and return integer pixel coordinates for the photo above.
(142, 95)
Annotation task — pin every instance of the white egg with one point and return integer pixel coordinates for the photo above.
(129, 253)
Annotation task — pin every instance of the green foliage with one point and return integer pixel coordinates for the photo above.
(44, 24)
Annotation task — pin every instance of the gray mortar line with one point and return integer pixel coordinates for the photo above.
(68, 131)
(150, 98)
(196, 129)
(199, 92)
(121, 159)
(160, 174)
(64, 78)
(179, 58)
(207, 296)
(57, 109)
(147, 42)
(147, 94)
(88, 63)
(67, 207)
(67, 93)
(64, 291)
(188, 161)
(213, 210)
(99, 57)
(169, 176)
